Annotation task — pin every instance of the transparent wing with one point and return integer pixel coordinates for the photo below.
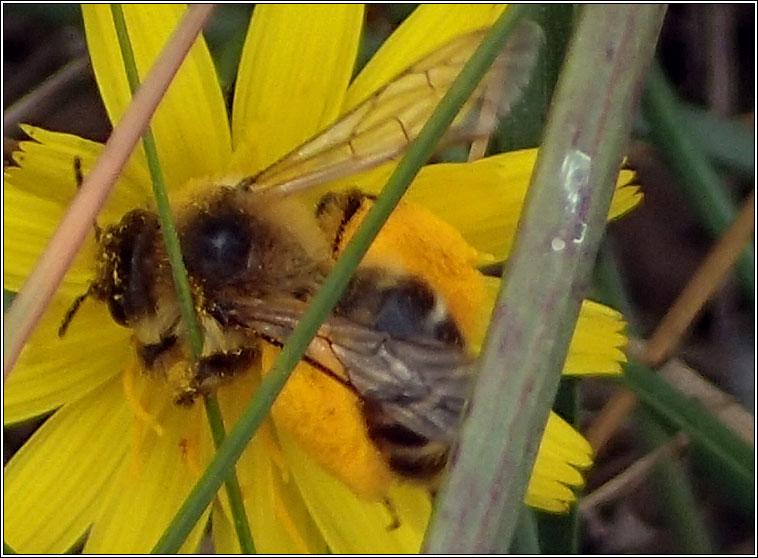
(420, 384)
(382, 126)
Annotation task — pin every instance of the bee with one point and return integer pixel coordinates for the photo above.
(255, 257)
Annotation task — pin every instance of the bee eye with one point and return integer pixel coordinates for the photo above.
(217, 248)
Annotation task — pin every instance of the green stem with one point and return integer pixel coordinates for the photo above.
(535, 315)
(559, 533)
(670, 131)
(326, 298)
(728, 142)
(675, 493)
(173, 247)
(236, 502)
(526, 538)
(734, 455)
(523, 126)
(181, 282)
(732, 458)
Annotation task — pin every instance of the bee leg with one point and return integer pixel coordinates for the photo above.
(394, 516)
(186, 398)
(79, 178)
(334, 212)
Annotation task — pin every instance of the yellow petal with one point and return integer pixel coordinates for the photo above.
(563, 440)
(426, 29)
(597, 344)
(52, 371)
(224, 537)
(627, 195)
(54, 484)
(562, 452)
(190, 126)
(46, 169)
(598, 341)
(279, 520)
(293, 74)
(29, 224)
(352, 525)
(484, 199)
(36, 195)
(149, 488)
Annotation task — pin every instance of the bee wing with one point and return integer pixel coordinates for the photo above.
(382, 126)
(420, 384)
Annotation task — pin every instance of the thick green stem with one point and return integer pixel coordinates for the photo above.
(564, 218)
(526, 538)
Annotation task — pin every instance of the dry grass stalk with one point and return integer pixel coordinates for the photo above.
(675, 323)
(30, 303)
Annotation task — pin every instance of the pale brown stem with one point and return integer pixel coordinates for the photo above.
(623, 483)
(49, 88)
(30, 303)
(675, 323)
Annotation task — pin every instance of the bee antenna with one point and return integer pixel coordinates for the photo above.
(79, 178)
(78, 175)
(72, 310)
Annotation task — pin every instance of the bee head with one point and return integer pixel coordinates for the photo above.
(239, 244)
(222, 244)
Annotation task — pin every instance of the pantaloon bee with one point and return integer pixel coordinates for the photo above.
(255, 257)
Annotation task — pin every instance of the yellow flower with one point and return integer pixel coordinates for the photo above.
(117, 457)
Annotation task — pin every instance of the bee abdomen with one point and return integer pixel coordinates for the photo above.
(396, 435)
(420, 466)
(408, 453)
